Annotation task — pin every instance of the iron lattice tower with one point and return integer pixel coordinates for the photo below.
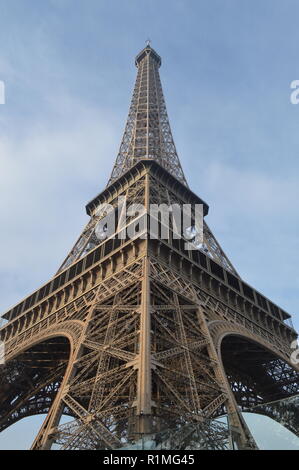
(139, 336)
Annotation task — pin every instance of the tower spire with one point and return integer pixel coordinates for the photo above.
(147, 133)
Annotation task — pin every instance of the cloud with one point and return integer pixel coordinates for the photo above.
(254, 216)
(46, 178)
(255, 193)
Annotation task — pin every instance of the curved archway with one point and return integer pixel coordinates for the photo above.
(29, 382)
(261, 381)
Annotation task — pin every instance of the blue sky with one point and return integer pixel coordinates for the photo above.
(227, 65)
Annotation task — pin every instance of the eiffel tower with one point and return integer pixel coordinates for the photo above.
(137, 336)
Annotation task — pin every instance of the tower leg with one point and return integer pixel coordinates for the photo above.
(44, 438)
(144, 399)
(241, 436)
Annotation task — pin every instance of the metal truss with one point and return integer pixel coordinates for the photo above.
(147, 132)
(214, 250)
(160, 195)
(257, 376)
(143, 354)
(139, 337)
(207, 435)
(89, 237)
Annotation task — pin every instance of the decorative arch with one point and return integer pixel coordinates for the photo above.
(264, 381)
(34, 371)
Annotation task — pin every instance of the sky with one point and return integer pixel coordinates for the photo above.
(68, 69)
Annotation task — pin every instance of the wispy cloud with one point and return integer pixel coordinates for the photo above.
(46, 177)
(254, 214)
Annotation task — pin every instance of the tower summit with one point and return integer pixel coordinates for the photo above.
(144, 338)
(147, 134)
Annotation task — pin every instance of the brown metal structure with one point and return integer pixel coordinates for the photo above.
(138, 336)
